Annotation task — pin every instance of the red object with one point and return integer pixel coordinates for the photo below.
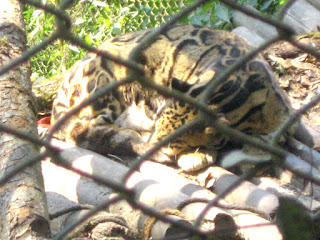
(44, 122)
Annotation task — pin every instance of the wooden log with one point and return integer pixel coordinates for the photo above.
(23, 211)
(303, 135)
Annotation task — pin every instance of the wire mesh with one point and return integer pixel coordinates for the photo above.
(141, 15)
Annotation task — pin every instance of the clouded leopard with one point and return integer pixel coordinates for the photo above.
(185, 58)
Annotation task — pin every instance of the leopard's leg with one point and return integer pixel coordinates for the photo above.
(184, 147)
(197, 160)
(109, 132)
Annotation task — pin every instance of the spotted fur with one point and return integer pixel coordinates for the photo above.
(185, 58)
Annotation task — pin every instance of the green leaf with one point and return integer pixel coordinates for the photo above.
(107, 23)
(207, 6)
(200, 19)
(282, 2)
(222, 13)
(88, 39)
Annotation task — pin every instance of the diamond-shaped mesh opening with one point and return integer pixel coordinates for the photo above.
(148, 14)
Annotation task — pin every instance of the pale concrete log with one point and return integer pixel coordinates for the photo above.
(296, 165)
(250, 195)
(303, 135)
(266, 31)
(314, 131)
(307, 163)
(253, 227)
(304, 152)
(272, 185)
(69, 190)
(246, 194)
(303, 17)
(152, 193)
(148, 190)
(156, 185)
(142, 224)
(252, 37)
(176, 187)
(69, 184)
(72, 190)
(242, 218)
(315, 3)
(169, 177)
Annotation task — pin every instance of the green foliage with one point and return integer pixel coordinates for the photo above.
(268, 7)
(94, 21)
(91, 21)
(212, 14)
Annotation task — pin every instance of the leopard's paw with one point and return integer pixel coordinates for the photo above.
(195, 161)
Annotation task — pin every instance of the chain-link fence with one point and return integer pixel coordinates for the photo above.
(148, 14)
